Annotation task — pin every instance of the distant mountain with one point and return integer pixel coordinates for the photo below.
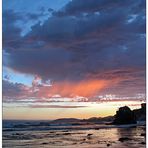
(100, 119)
(65, 120)
(74, 121)
(123, 116)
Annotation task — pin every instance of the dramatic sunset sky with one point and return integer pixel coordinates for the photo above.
(72, 58)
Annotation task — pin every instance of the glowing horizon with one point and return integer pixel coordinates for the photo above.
(82, 111)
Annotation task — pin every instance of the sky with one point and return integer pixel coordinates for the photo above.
(72, 58)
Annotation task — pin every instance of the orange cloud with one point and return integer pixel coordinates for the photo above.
(85, 88)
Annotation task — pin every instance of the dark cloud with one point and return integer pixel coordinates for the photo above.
(14, 90)
(86, 39)
(77, 7)
(14, 23)
(11, 33)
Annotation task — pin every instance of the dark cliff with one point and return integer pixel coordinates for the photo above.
(141, 113)
(126, 116)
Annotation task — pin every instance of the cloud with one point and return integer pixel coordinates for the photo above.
(64, 89)
(117, 82)
(14, 90)
(55, 106)
(77, 7)
(85, 88)
(9, 27)
(82, 49)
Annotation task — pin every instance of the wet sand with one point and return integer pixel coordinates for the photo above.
(93, 138)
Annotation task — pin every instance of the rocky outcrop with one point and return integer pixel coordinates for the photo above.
(124, 116)
(141, 113)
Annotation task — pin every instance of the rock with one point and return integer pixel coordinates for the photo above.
(143, 134)
(74, 143)
(44, 143)
(89, 134)
(124, 139)
(66, 133)
(97, 128)
(52, 132)
(142, 143)
(141, 113)
(18, 134)
(108, 144)
(125, 116)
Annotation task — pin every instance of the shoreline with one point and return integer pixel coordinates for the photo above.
(74, 127)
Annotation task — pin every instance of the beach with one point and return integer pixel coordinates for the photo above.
(35, 135)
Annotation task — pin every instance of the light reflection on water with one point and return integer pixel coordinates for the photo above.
(72, 138)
